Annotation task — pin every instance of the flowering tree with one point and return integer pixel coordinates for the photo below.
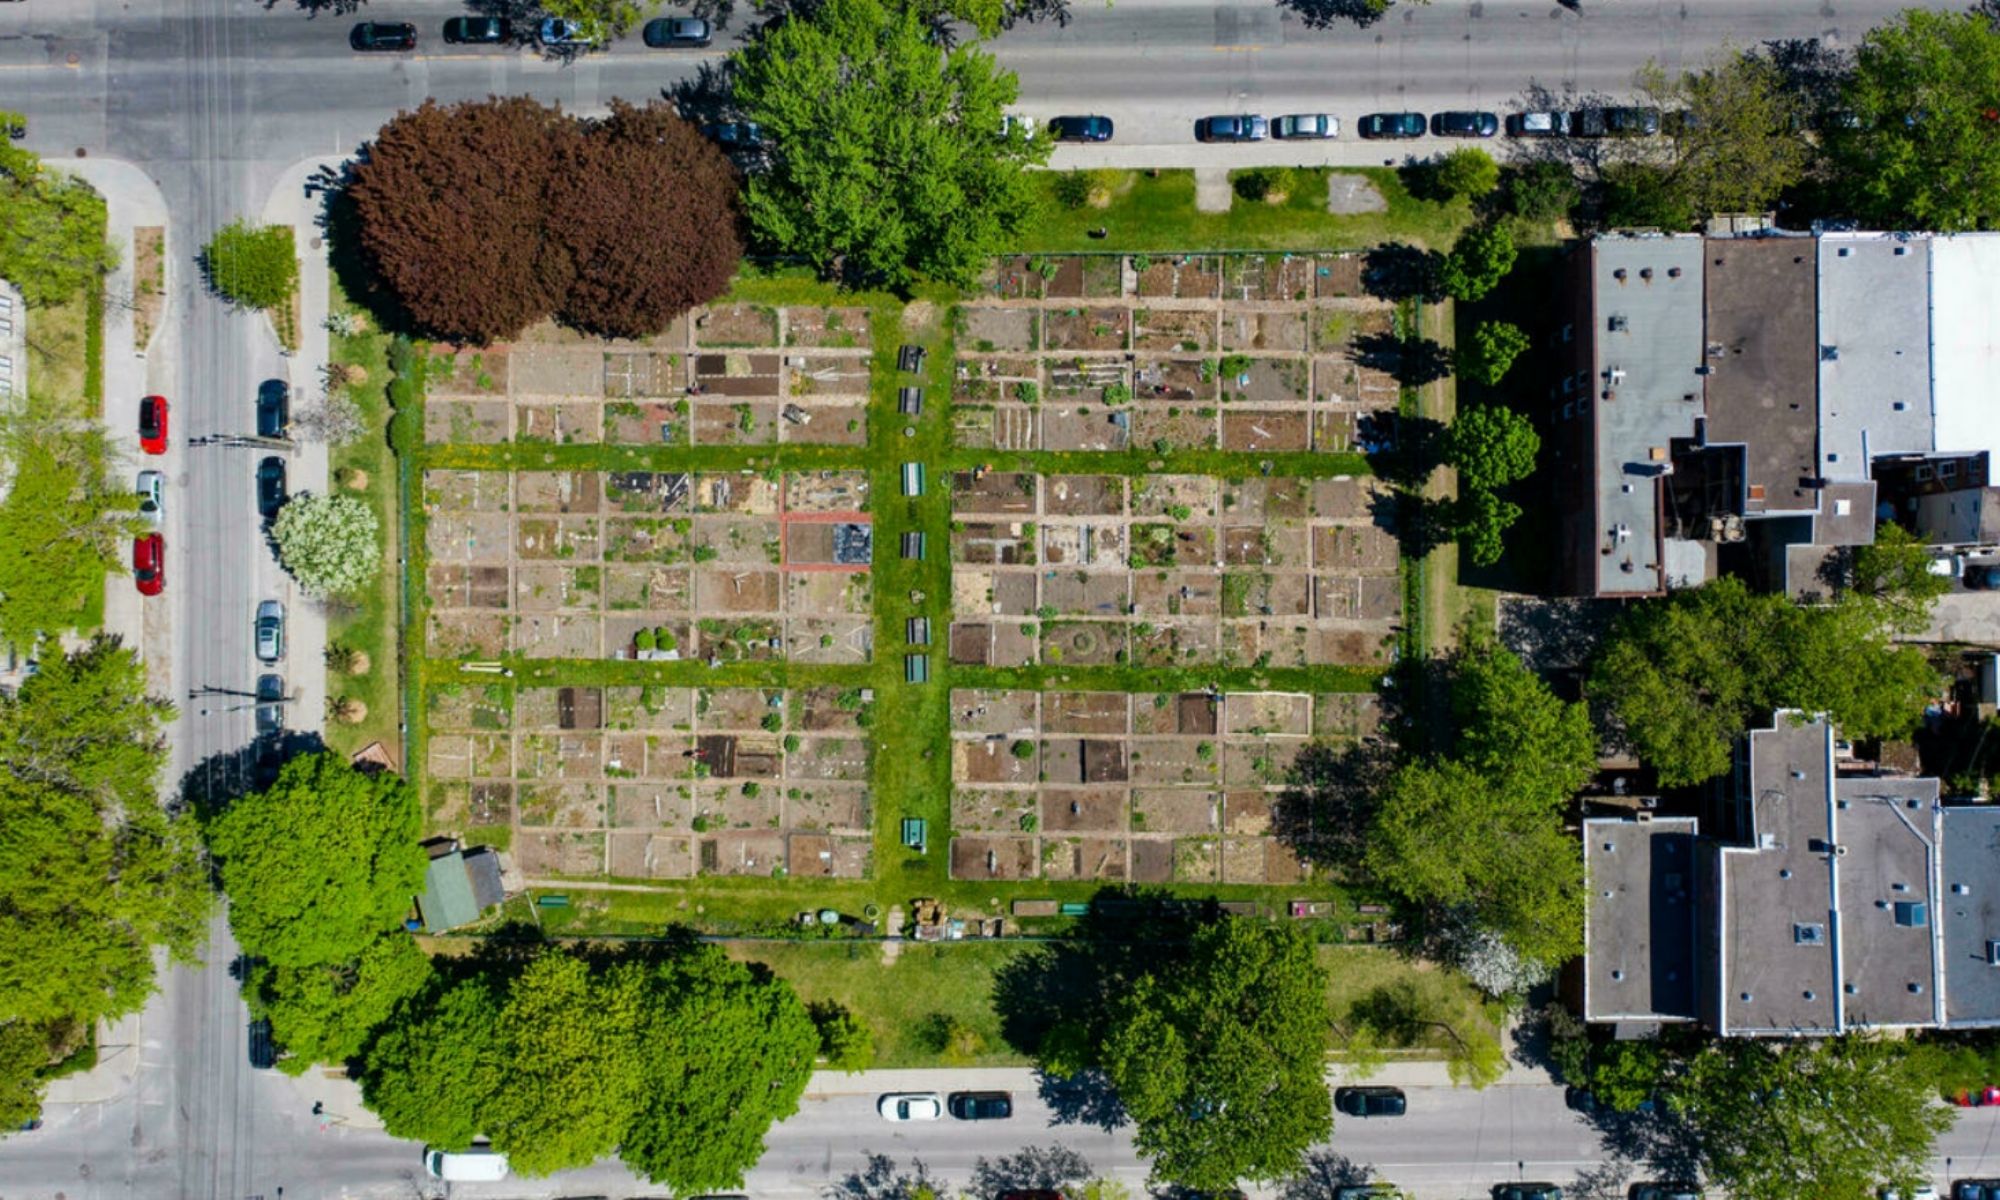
(328, 543)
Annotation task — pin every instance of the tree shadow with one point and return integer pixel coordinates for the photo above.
(1412, 362)
(1031, 1169)
(1085, 1098)
(340, 225)
(1331, 797)
(314, 8)
(708, 96)
(1601, 1181)
(210, 786)
(881, 1180)
(1402, 450)
(1322, 1176)
(1422, 523)
(1325, 14)
(1399, 271)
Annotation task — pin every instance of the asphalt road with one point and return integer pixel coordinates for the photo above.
(215, 99)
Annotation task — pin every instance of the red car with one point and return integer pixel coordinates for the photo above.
(149, 564)
(153, 424)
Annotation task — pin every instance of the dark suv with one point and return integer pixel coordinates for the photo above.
(677, 33)
(1464, 124)
(1392, 125)
(980, 1106)
(383, 35)
(1081, 129)
(274, 408)
(489, 31)
(1370, 1101)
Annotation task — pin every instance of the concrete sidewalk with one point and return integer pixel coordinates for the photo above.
(1026, 1079)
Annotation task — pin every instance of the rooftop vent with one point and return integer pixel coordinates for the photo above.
(1843, 252)
(1673, 272)
(1993, 952)
(1829, 354)
(1645, 272)
(1808, 935)
(1618, 323)
(1619, 273)
(1901, 251)
(1911, 914)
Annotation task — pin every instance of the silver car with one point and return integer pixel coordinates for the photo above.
(270, 631)
(1306, 127)
(152, 490)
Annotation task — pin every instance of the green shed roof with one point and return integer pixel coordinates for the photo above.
(447, 901)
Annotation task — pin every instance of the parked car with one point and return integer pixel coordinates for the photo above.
(1664, 1191)
(1028, 126)
(152, 489)
(1923, 1191)
(1527, 1191)
(734, 136)
(1464, 123)
(1306, 127)
(270, 628)
(563, 33)
(1243, 127)
(1976, 1189)
(1081, 129)
(1367, 1191)
(270, 486)
(910, 1106)
(153, 424)
(149, 563)
(263, 1049)
(274, 408)
(484, 31)
(270, 704)
(1538, 124)
(677, 33)
(1392, 125)
(980, 1106)
(1032, 1194)
(1615, 122)
(383, 35)
(1977, 1097)
(480, 1164)
(1981, 577)
(1370, 1101)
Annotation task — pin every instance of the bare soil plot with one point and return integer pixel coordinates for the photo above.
(1185, 277)
(1082, 276)
(1003, 329)
(1085, 495)
(736, 325)
(1187, 330)
(1254, 329)
(1089, 329)
(841, 328)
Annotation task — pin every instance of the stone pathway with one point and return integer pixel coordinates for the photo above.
(1211, 189)
(892, 945)
(1347, 193)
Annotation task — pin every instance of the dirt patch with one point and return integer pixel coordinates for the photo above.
(1348, 193)
(149, 282)
(736, 325)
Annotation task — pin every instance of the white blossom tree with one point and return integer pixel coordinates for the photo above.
(329, 543)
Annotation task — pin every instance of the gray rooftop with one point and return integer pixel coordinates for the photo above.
(1887, 827)
(1639, 925)
(1776, 914)
(1875, 373)
(1970, 917)
(1760, 391)
(1648, 345)
(1965, 517)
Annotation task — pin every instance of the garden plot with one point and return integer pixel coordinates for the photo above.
(1132, 787)
(656, 782)
(635, 564)
(1192, 569)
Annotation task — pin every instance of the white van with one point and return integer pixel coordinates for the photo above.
(480, 1164)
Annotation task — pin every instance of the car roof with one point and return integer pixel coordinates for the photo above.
(270, 608)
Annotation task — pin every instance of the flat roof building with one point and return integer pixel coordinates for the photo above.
(1639, 924)
(1968, 915)
(1874, 350)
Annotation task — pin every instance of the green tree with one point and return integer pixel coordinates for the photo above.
(325, 1012)
(1921, 152)
(1220, 1057)
(573, 1065)
(1467, 171)
(844, 1040)
(62, 519)
(1508, 723)
(1486, 358)
(321, 862)
(1739, 143)
(1634, 195)
(24, 1055)
(1541, 191)
(52, 242)
(600, 21)
(1626, 1073)
(252, 266)
(428, 1075)
(1419, 1013)
(1478, 261)
(93, 873)
(1684, 676)
(1480, 521)
(328, 543)
(886, 162)
(1810, 1117)
(1491, 445)
(1896, 572)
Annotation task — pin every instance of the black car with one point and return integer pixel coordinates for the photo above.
(1527, 1191)
(270, 704)
(1247, 128)
(274, 408)
(383, 35)
(1392, 125)
(1981, 577)
(677, 33)
(270, 486)
(1464, 124)
(1538, 124)
(1370, 1101)
(263, 1050)
(980, 1106)
(1976, 1189)
(1632, 122)
(733, 136)
(485, 31)
(1081, 129)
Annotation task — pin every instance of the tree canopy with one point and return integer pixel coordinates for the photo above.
(252, 266)
(324, 1012)
(1467, 171)
(63, 520)
(320, 862)
(328, 542)
(483, 217)
(1895, 571)
(1491, 445)
(52, 243)
(1685, 675)
(679, 1061)
(1486, 359)
(1810, 1117)
(1921, 152)
(1479, 260)
(886, 161)
(94, 875)
(1739, 142)
(1220, 1056)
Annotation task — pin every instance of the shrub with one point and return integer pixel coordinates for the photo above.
(1466, 171)
(1541, 191)
(644, 641)
(328, 543)
(1265, 183)
(1071, 189)
(252, 266)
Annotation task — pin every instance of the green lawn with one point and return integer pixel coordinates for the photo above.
(1355, 973)
(369, 624)
(1155, 211)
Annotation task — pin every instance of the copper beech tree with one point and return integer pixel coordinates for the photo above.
(483, 217)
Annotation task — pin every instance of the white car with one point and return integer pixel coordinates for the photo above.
(152, 490)
(1924, 1192)
(1012, 121)
(563, 32)
(1306, 127)
(910, 1106)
